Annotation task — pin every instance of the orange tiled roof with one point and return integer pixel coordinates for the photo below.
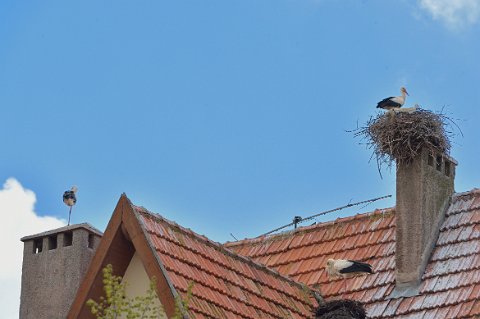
(225, 285)
(451, 283)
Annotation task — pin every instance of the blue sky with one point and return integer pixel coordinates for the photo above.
(225, 116)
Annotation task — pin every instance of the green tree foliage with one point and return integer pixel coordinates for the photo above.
(116, 305)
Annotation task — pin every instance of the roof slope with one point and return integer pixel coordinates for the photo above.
(451, 283)
(225, 285)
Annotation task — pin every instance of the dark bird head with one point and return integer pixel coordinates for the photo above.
(69, 197)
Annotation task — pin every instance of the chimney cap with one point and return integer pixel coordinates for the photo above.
(450, 159)
(85, 226)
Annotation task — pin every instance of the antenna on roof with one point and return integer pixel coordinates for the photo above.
(299, 219)
(296, 220)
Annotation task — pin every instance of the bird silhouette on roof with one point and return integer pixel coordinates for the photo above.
(393, 101)
(70, 199)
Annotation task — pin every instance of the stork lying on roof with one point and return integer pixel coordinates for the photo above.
(347, 268)
(393, 101)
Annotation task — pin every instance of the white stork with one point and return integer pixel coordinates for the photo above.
(346, 268)
(393, 101)
(70, 199)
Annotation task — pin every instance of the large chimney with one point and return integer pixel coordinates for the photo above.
(54, 263)
(424, 189)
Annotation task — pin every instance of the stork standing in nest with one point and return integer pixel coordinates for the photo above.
(346, 269)
(70, 199)
(393, 102)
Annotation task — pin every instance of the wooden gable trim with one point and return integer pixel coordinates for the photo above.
(124, 235)
(152, 264)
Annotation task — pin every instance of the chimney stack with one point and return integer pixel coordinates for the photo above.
(424, 190)
(54, 263)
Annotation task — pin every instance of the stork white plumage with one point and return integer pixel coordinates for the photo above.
(346, 268)
(393, 101)
(70, 199)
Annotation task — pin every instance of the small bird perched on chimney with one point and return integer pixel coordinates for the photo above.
(70, 199)
(393, 101)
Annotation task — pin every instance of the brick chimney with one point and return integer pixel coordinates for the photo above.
(54, 263)
(424, 190)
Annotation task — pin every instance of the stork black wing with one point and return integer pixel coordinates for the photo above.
(69, 195)
(357, 267)
(387, 103)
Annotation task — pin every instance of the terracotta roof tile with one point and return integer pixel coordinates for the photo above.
(430, 314)
(451, 283)
(376, 309)
(465, 309)
(428, 285)
(453, 311)
(403, 307)
(442, 312)
(475, 311)
(226, 285)
(391, 308)
(475, 292)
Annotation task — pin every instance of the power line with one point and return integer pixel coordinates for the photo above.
(301, 220)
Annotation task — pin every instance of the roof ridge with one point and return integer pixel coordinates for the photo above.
(224, 249)
(388, 210)
(347, 219)
(473, 191)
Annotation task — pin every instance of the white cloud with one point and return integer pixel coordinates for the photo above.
(454, 13)
(18, 219)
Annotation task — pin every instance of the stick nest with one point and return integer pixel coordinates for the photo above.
(401, 136)
(341, 309)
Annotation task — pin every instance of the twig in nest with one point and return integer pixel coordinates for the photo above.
(401, 136)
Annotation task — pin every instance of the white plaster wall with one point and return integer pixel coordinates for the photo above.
(137, 281)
